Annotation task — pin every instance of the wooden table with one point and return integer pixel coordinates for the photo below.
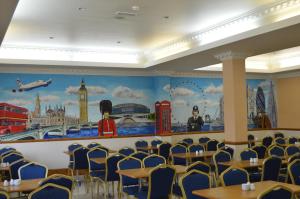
(25, 186)
(99, 160)
(145, 172)
(205, 154)
(236, 191)
(246, 163)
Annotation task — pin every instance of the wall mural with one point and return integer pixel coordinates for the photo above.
(40, 106)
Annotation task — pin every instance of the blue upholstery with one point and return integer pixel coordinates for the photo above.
(92, 145)
(212, 145)
(196, 147)
(247, 154)
(293, 140)
(160, 183)
(189, 141)
(199, 166)
(228, 150)
(12, 157)
(93, 166)
(50, 192)
(276, 151)
(261, 151)
(80, 158)
(278, 135)
(294, 172)
(182, 143)
(153, 161)
(71, 148)
(267, 141)
(294, 157)
(32, 171)
(155, 143)
(164, 150)
(14, 168)
(6, 150)
(234, 176)
(271, 168)
(280, 141)
(178, 149)
(126, 151)
(61, 180)
(129, 185)
(278, 192)
(221, 156)
(291, 150)
(251, 137)
(141, 143)
(139, 155)
(112, 166)
(194, 180)
(103, 148)
(221, 145)
(203, 140)
(3, 195)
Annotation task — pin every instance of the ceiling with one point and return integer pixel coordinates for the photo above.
(152, 33)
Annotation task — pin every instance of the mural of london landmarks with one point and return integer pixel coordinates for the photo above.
(45, 106)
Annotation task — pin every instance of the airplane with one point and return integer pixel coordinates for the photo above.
(27, 87)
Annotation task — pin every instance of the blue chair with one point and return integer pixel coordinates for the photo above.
(32, 170)
(278, 135)
(196, 147)
(291, 150)
(126, 151)
(178, 149)
(6, 150)
(203, 140)
(93, 144)
(80, 160)
(212, 145)
(164, 150)
(267, 141)
(199, 166)
(183, 144)
(61, 180)
(292, 140)
(194, 180)
(130, 186)
(247, 154)
(276, 151)
(228, 150)
(139, 155)
(189, 141)
(50, 191)
(4, 195)
(161, 179)
(220, 145)
(277, 192)
(12, 157)
(14, 168)
(155, 143)
(294, 157)
(234, 176)
(251, 140)
(141, 143)
(96, 170)
(72, 148)
(294, 172)
(260, 150)
(153, 161)
(280, 141)
(220, 156)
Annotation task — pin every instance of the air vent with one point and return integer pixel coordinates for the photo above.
(120, 14)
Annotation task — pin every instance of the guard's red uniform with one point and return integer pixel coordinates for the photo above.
(109, 128)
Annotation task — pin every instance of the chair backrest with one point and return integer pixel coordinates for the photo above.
(182, 143)
(156, 142)
(12, 157)
(161, 180)
(112, 167)
(96, 153)
(153, 161)
(294, 157)
(247, 154)
(4, 195)
(59, 179)
(294, 172)
(204, 140)
(32, 170)
(93, 144)
(178, 148)
(292, 140)
(126, 151)
(189, 141)
(141, 143)
(271, 168)
(80, 158)
(14, 168)
(291, 150)
(228, 149)
(164, 150)
(50, 191)
(139, 155)
(234, 176)
(196, 147)
(278, 135)
(251, 137)
(199, 166)
(74, 146)
(277, 192)
(260, 150)
(6, 150)
(220, 145)
(221, 156)
(193, 180)
(279, 141)
(129, 163)
(276, 151)
(212, 145)
(267, 141)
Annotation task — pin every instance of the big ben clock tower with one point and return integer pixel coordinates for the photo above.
(83, 103)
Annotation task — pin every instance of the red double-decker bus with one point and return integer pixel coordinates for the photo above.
(12, 118)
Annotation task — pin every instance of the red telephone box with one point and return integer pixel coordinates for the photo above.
(163, 117)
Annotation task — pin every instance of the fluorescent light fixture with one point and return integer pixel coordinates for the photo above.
(251, 65)
(170, 50)
(289, 62)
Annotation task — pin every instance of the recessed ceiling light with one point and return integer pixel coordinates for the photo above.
(82, 9)
(135, 8)
(166, 17)
(118, 42)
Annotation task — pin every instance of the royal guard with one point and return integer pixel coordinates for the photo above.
(106, 126)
